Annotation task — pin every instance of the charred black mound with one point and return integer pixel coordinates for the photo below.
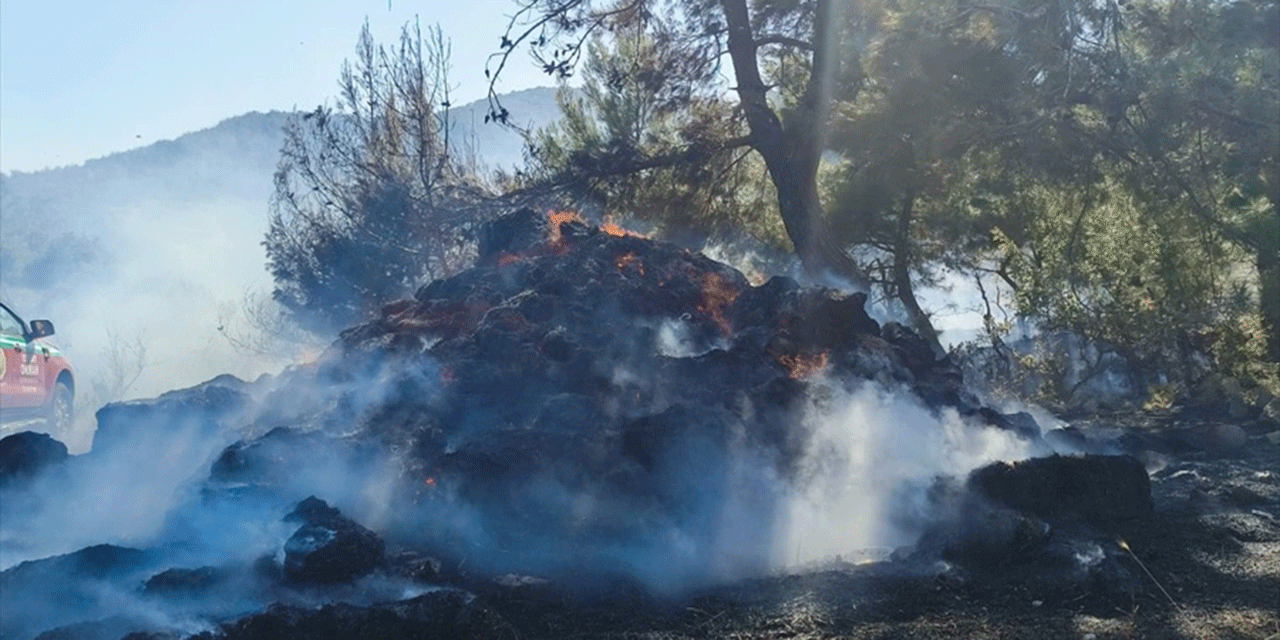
(1099, 490)
(26, 454)
(178, 581)
(1049, 525)
(579, 392)
(439, 615)
(200, 408)
(112, 628)
(578, 406)
(54, 591)
(329, 548)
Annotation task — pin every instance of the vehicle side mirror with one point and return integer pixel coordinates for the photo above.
(40, 329)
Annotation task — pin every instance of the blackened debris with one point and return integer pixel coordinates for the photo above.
(329, 548)
(26, 454)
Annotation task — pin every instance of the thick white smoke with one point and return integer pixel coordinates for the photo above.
(155, 312)
(874, 453)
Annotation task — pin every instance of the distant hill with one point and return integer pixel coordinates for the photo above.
(57, 222)
(499, 147)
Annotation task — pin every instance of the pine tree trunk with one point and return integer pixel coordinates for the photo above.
(902, 286)
(1269, 300)
(792, 154)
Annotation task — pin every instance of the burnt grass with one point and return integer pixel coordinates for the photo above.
(1213, 544)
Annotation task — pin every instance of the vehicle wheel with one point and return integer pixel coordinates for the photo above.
(60, 416)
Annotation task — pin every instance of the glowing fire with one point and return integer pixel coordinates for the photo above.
(628, 259)
(429, 481)
(507, 258)
(803, 365)
(716, 295)
(613, 229)
(557, 218)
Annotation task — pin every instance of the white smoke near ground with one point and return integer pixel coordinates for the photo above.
(144, 484)
(755, 262)
(858, 491)
(152, 315)
(873, 454)
(147, 484)
(123, 496)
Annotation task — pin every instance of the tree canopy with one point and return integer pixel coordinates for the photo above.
(1107, 168)
(1110, 165)
(372, 197)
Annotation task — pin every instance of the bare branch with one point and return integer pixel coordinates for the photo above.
(785, 41)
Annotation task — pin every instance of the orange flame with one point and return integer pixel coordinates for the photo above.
(613, 229)
(507, 258)
(557, 218)
(716, 295)
(429, 481)
(803, 366)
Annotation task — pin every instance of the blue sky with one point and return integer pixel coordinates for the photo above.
(85, 78)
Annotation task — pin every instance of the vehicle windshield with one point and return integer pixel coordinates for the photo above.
(10, 324)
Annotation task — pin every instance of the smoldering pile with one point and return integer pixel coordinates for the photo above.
(583, 406)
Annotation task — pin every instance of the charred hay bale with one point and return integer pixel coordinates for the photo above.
(875, 359)
(95, 562)
(122, 627)
(154, 635)
(813, 319)
(26, 454)
(916, 352)
(275, 458)
(1220, 438)
(443, 615)
(511, 234)
(1099, 490)
(760, 306)
(1033, 521)
(778, 428)
(1069, 439)
(180, 581)
(45, 594)
(198, 409)
(329, 548)
(823, 319)
(421, 568)
(976, 534)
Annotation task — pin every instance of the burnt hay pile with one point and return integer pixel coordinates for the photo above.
(580, 406)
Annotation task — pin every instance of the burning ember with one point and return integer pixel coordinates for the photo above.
(717, 295)
(610, 228)
(554, 220)
(802, 366)
(629, 259)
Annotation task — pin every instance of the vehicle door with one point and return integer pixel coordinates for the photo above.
(22, 376)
